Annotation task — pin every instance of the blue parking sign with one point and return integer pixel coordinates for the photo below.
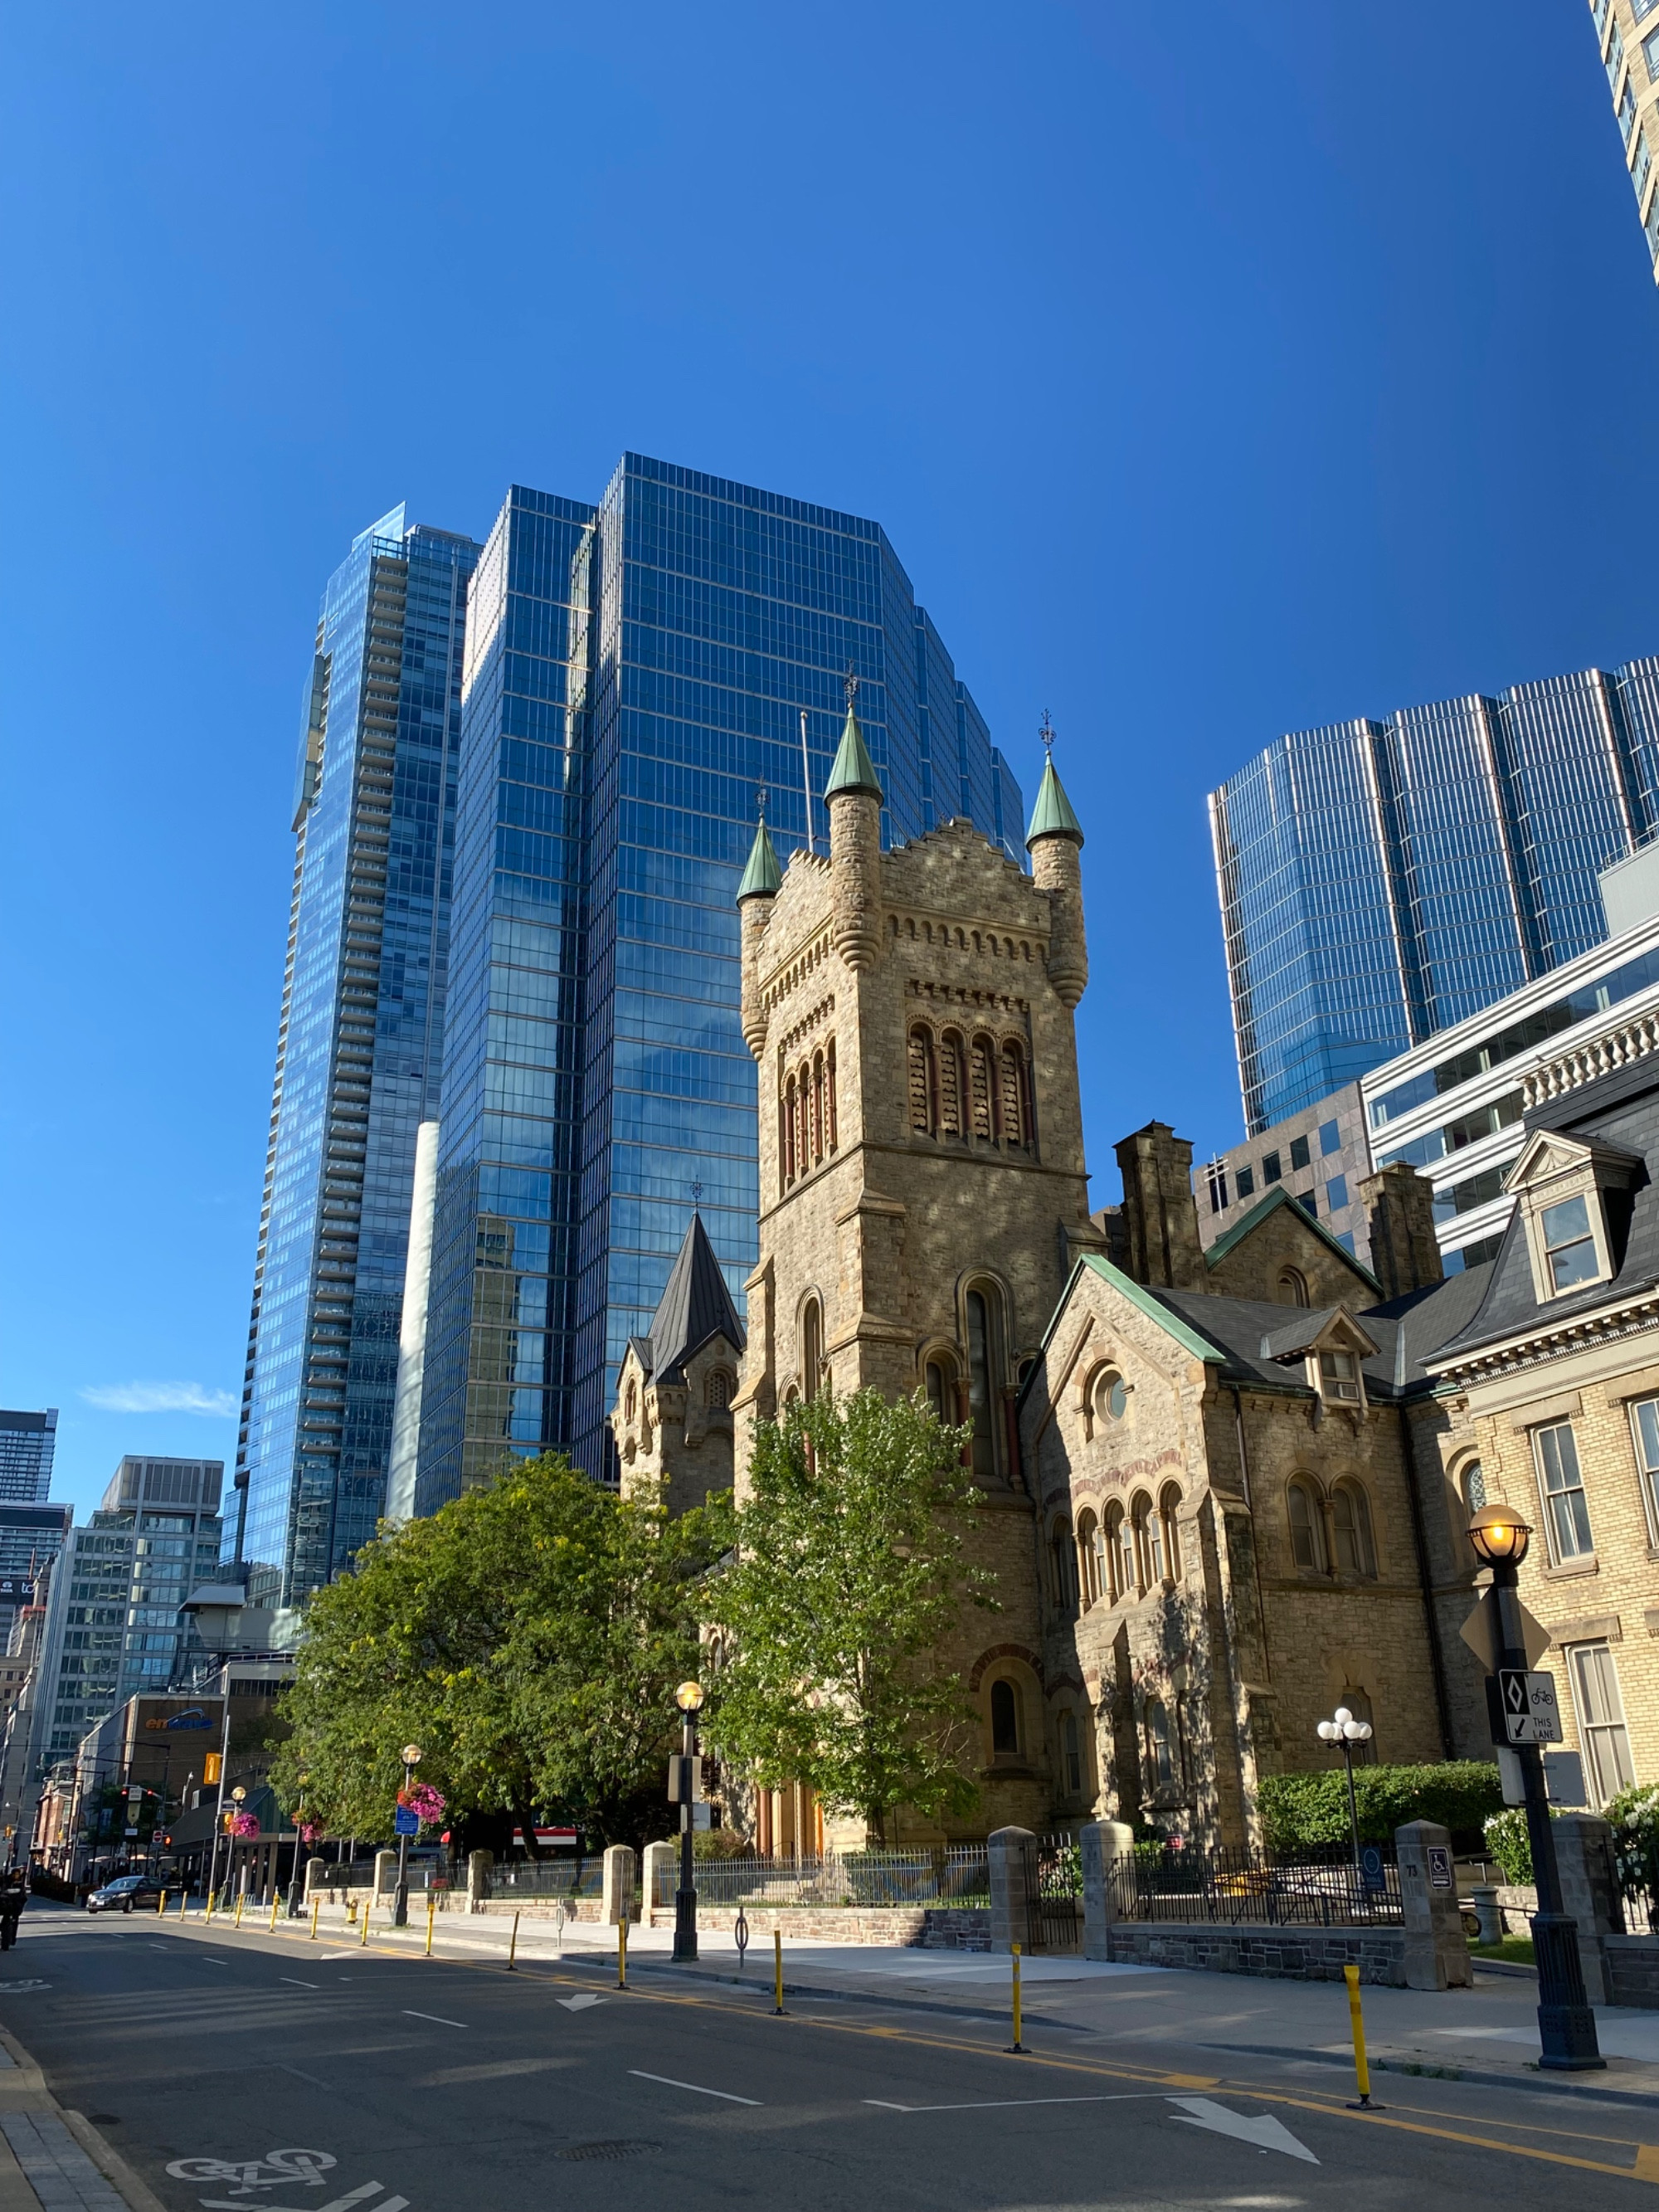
(408, 1822)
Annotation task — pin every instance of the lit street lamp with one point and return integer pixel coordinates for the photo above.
(400, 1903)
(1567, 2026)
(689, 1698)
(238, 1799)
(1344, 1729)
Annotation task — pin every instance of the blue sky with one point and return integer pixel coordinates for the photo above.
(1214, 375)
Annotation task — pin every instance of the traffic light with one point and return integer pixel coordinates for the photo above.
(212, 1767)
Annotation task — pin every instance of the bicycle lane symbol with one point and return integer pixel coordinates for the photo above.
(294, 2169)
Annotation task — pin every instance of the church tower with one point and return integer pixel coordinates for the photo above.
(672, 1418)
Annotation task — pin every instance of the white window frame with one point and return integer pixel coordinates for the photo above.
(1557, 1558)
(1597, 1738)
(1542, 1197)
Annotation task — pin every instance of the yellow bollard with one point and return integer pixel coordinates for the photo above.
(275, 1899)
(363, 1941)
(777, 1973)
(316, 1907)
(213, 1898)
(1016, 2044)
(431, 1911)
(184, 1900)
(162, 1905)
(241, 1899)
(622, 1954)
(513, 1948)
(1362, 2071)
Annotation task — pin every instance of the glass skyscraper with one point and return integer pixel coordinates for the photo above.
(1380, 881)
(359, 1053)
(26, 1444)
(634, 672)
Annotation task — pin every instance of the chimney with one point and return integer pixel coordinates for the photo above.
(1159, 1210)
(1399, 1206)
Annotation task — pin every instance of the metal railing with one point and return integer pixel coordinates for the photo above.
(1311, 1890)
(957, 1875)
(567, 1877)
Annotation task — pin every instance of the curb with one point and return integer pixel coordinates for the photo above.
(1488, 2077)
(121, 2177)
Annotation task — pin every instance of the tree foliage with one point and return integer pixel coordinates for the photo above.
(528, 1637)
(848, 1576)
(1304, 1809)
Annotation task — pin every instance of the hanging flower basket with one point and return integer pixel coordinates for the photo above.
(244, 1823)
(424, 1802)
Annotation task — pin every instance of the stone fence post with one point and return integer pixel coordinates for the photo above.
(385, 1874)
(1104, 1844)
(657, 1857)
(1010, 1923)
(1591, 1894)
(617, 1897)
(1436, 1947)
(316, 1877)
(480, 1879)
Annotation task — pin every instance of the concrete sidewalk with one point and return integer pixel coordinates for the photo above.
(1489, 2032)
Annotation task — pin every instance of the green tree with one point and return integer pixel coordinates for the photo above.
(848, 1575)
(528, 1637)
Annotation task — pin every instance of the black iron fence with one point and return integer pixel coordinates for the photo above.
(1310, 1890)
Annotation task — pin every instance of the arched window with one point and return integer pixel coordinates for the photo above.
(921, 1083)
(829, 1093)
(719, 1390)
(631, 1405)
(1126, 1572)
(1013, 1096)
(818, 1136)
(979, 1089)
(1071, 1755)
(1005, 1721)
(1149, 1543)
(790, 1104)
(1113, 1549)
(1168, 1505)
(1065, 1567)
(950, 1085)
(1307, 1530)
(1160, 1754)
(1088, 1553)
(1472, 1481)
(981, 1366)
(812, 1348)
(1350, 1526)
(1293, 1290)
(804, 1126)
(941, 1391)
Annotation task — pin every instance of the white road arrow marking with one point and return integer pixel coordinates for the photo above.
(1264, 2130)
(578, 2004)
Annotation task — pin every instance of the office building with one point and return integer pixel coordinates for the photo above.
(27, 1442)
(1452, 1108)
(636, 672)
(358, 1055)
(1382, 882)
(113, 1627)
(31, 1537)
(1628, 34)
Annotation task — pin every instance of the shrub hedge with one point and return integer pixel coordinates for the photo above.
(1301, 1810)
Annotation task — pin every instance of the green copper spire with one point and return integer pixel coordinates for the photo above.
(1052, 816)
(762, 877)
(854, 770)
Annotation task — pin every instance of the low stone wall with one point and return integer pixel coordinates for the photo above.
(926, 1928)
(1632, 1969)
(1291, 1955)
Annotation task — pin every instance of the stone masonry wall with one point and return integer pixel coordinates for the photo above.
(1292, 1955)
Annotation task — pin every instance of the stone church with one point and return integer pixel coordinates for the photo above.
(1201, 1493)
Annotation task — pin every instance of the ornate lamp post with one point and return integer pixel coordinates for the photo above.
(1342, 1728)
(238, 1799)
(1567, 2026)
(689, 1698)
(296, 1886)
(400, 1903)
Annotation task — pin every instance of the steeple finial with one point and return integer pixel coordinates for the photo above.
(1047, 732)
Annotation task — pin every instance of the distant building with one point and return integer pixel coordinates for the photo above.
(1453, 1108)
(26, 1443)
(1382, 882)
(112, 1628)
(31, 1537)
(1629, 39)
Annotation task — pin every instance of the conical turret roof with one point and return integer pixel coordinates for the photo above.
(1052, 816)
(694, 1306)
(854, 769)
(762, 877)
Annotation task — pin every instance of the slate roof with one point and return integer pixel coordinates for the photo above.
(1617, 1111)
(695, 1305)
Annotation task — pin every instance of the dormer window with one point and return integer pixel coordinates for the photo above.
(1339, 1377)
(1569, 1254)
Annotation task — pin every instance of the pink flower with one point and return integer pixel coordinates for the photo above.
(424, 1800)
(244, 1823)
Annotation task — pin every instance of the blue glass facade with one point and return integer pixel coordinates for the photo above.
(635, 671)
(1381, 881)
(359, 1053)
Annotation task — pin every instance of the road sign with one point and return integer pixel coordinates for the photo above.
(684, 1780)
(407, 1823)
(1481, 1633)
(1526, 1709)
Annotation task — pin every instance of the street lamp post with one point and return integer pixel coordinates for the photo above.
(1344, 1729)
(689, 1698)
(295, 1890)
(1567, 2026)
(238, 1799)
(400, 1903)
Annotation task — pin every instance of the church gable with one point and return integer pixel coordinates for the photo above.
(1280, 1254)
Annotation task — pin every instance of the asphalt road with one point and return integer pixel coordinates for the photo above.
(237, 2071)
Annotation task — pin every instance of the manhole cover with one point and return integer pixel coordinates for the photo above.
(606, 2150)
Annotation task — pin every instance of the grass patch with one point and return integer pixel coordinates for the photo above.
(1516, 1948)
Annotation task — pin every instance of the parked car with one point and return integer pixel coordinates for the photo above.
(123, 1893)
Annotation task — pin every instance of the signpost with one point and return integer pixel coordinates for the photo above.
(1523, 1706)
